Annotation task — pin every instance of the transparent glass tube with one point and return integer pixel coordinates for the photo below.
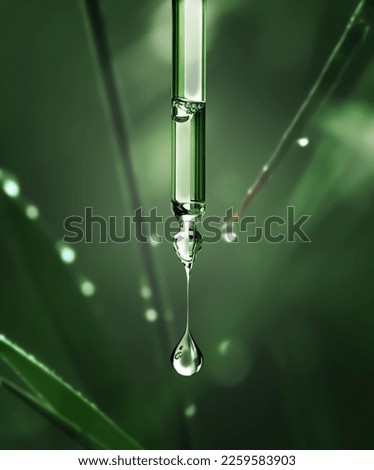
(188, 153)
(188, 108)
(189, 50)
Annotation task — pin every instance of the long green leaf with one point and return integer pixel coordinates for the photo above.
(55, 305)
(69, 405)
(48, 413)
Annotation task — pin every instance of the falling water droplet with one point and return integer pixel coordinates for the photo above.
(187, 358)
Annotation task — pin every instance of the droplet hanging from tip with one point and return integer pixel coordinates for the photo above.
(187, 242)
(187, 358)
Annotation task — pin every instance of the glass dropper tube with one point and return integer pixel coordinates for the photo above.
(188, 109)
(188, 153)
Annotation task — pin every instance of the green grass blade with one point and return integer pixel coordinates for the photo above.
(67, 404)
(48, 413)
(54, 304)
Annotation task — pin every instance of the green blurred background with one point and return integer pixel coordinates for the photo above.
(286, 330)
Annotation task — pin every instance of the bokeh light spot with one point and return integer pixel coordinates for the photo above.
(230, 363)
(145, 292)
(224, 346)
(153, 241)
(151, 315)
(190, 411)
(88, 289)
(303, 142)
(32, 212)
(67, 254)
(169, 315)
(11, 188)
(160, 36)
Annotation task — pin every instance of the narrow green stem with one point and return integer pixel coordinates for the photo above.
(353, 37)
(124, 167)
